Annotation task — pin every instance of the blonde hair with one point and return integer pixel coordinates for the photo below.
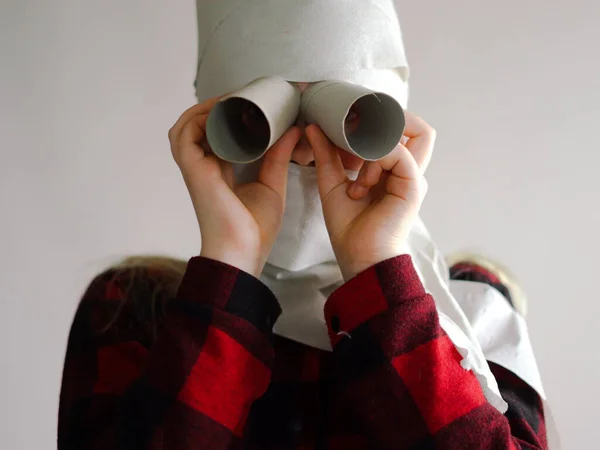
(171, 268)
(148, 283)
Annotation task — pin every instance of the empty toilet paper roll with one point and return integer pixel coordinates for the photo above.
(381, 118)
(244, 125)
(272, 104)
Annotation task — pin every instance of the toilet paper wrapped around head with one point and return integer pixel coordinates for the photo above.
(253, 51)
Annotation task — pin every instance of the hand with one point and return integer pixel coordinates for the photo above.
(369, 220)
(238, 224)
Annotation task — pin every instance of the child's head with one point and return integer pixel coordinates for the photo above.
(302, 42)
(145, 285)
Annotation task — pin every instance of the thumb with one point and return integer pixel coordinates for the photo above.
(274, 168)
(330, 170)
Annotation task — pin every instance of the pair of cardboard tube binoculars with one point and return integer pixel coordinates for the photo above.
(243, 125)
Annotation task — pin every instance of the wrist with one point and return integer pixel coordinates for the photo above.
(350, 273)
(238, 260)
(354, 268)
(351, 270)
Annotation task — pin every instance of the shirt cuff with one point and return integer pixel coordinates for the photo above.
(210, 282)
(374, 291)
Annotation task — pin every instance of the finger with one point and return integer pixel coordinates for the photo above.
(198, 109)
(204, 143)
(402, 184)
(330, 170)
(402, 190)
(227, 172)
(189, 144)
(226, 166)
(401, 164)
(196, 164)
(369, 176)
(274, 168)
(421, 140)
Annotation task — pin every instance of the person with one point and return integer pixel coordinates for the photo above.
(316, 314)
(164, 354)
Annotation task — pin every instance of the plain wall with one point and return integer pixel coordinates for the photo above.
(88, 91)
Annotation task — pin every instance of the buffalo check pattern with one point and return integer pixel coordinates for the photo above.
(215, 376)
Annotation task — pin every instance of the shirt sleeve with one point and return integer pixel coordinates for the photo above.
(401, 374)
(191, 387)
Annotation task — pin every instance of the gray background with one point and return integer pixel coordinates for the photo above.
(89, 89)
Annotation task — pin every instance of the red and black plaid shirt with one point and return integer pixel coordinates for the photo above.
(217, 378)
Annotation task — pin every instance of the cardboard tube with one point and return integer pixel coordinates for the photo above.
(273, 105)
(381, 123)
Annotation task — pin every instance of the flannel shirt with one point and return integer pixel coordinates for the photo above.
(216, 377)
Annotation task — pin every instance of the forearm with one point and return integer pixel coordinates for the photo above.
(401, 371)
(211, 361)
